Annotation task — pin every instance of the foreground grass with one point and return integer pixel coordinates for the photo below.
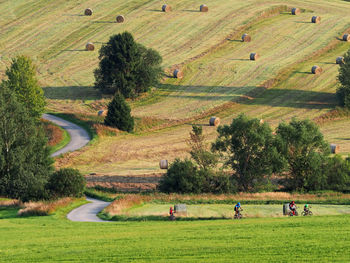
(50, 239)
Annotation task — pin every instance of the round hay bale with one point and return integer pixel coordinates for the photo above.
(203, 8)
(90, 46)
(339, 60)
(178, 74)
(120, 19)
(163, 164)
(335, 148)
(346, 37)
(254, 56)
(295, 11)
(316, 70)
(214, 121)
(166, 8)
(102, 113)
(246, 38)
(316, 19)
(88, 12)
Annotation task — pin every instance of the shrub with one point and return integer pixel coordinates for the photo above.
(338, 174)
(67, 182)
(119, 114)
(343, 91)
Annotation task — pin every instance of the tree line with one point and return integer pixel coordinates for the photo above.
(248, 156)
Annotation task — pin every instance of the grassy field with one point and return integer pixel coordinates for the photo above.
(219, 79)
(54, 239)
(226, 211)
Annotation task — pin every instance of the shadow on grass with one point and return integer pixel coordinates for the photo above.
(234, 40)
(73, 50)
(259, 95)
(104, 22)
(193, 11)
(8, 212)
(303, 22)
(72, 93)
(73, 15)
(240, 59)
(302, 72)
(155, 10)
(159, 218)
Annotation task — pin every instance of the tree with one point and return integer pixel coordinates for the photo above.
(67, 182)
(119, 114)
(338, 174)
(25, 162)
(22, 80)
(127, 67)
(304, 149)
(181, 177)
(248, 148)
(343, 91)
(205, 159)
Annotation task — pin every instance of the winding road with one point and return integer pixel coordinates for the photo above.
(88, 212)
(78, 139)
(78, 136)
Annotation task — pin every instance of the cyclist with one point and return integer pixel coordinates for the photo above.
(237, 208)
(171, 211)
(306, 208)
(292, 207)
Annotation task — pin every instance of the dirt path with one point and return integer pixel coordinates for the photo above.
(88, 212)
(78, 136)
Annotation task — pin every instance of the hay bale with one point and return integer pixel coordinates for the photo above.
(346, 37)
(295, 11)
(246, 38)
(339, 60)
(254, 56)
(316, 70)
(180, 209)
(88, 12)
(178, 74)
(166, 8)
(90, 46)
(203, 8)
(214, 121)
(120, 19)
(102, 113)
(316, 19)
(335, 148)
(163, 164)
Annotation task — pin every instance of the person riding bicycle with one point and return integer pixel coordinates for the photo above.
(292, 207)
(171, 211)
(306, 208)
(237, 208)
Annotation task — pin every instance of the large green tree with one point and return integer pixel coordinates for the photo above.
(25, 162)
(119, 114)
(127, 67)
(343, 91)
(304, 149)
(22, 80)
(248, 148)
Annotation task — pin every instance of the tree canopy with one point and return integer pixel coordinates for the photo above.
(127, 67)
(343, 91)
(22, 80)
(25, 162)
(247, 146)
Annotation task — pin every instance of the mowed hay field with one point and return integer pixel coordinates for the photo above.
(54, 239)
(219, 79)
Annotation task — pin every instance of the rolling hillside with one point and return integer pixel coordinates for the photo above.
(219, 79)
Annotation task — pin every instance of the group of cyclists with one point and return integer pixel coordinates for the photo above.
(237, 210)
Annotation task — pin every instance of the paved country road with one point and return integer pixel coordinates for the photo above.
(78, 136)
(88, 212)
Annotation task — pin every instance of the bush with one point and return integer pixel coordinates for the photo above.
(338, 174)
(185, 177)
(343, 91)
(67, 182)
(119, 114)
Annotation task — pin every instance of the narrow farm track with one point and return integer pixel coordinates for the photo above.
(218, 76)
(78, 136)
(88, 212)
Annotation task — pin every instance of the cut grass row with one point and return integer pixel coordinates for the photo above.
(50, 239)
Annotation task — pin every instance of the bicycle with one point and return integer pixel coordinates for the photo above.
(307, 212)
(238, 215)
